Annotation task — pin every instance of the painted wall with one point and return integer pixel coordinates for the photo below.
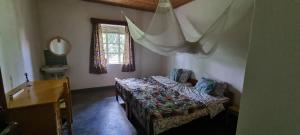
(19, 42)
(228, 62)
(270, 103)
(71, 19)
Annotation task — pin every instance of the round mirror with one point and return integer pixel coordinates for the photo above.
(59, 46)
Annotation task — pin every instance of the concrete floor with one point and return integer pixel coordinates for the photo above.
(96, 112)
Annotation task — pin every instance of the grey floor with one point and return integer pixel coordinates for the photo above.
(96, 112)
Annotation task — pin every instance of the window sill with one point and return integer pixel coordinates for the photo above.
(113, 64)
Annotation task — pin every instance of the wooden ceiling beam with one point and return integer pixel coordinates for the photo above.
(146, 5)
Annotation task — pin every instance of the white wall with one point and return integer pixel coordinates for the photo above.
(228, 62)
(270, 102)
(19, 42)
(71, 19)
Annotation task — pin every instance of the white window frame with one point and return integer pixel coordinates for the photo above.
(106, 50)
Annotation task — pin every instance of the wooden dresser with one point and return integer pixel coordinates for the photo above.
(36, 108)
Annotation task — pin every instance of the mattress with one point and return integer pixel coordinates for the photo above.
(160, 103)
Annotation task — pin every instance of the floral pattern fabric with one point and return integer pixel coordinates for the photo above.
(160, 103)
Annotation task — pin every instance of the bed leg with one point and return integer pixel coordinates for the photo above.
(150, 130)
(117, 96)
(129, 113)
(127, 109)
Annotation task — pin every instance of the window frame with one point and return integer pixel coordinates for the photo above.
(118, 43)
(111, 22)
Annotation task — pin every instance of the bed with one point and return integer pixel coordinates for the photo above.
(160, 104)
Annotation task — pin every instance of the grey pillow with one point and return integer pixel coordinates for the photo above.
(219, 89)
(185, 75)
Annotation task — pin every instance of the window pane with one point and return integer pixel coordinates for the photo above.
(113, 45)
(113, 58)
(105, 48)
(121, 58)
(104, 37)
(113, 48)
(122, 48)
(122, 38)
(112, 38)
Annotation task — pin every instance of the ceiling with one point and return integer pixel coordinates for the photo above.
(147, 5)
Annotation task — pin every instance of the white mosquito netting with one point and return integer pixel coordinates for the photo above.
(170, 33)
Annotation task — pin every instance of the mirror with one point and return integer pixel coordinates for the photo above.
(59, 46)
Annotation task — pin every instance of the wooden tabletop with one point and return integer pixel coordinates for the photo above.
(40, 92)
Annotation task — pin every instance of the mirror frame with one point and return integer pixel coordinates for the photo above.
(58, 37)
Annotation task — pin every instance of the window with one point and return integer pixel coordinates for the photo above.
(110, 44)
(113, 38)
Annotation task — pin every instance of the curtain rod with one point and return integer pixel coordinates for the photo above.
(107, 21)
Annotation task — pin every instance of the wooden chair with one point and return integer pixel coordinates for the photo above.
(66, 106)
(10, 128)
(70, 97)
(5, 126)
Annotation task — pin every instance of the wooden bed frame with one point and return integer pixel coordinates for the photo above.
(130, 115)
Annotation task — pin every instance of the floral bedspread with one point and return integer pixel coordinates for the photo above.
(160, 103)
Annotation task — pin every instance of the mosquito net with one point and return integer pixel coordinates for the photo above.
(169, 33)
